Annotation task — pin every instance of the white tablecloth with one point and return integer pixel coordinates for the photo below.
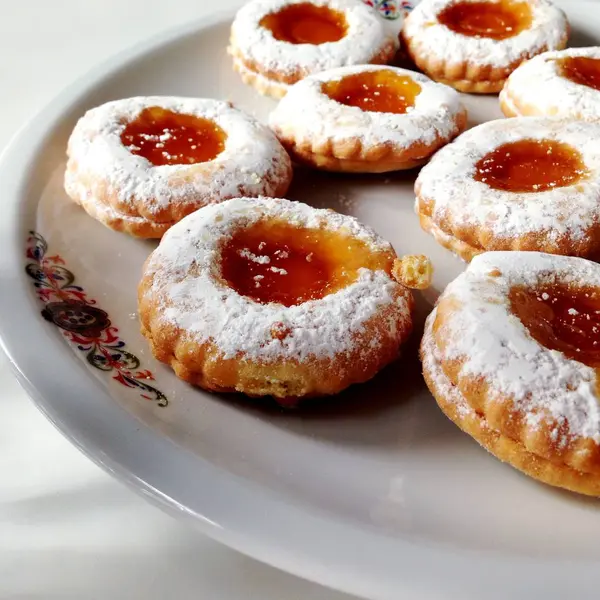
(68, 531)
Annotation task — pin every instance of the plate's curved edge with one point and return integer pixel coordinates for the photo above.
(374, 565)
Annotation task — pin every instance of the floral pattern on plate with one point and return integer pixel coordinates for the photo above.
(82, 323)
(391, 9)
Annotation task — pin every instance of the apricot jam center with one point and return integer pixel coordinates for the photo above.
(496, 20)
(273, 261)
(306, 24)
(374, 91)
(530, 166)
(582, 70)
(167, 138)
(562, 318)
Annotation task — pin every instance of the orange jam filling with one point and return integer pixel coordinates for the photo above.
(582, 70)
(306, 24)
(562, 318)
(273, 261)
(167, 138)
(374, 91)
(530, 166)
(495, 20)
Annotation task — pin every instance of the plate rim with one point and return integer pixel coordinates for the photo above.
(266, 524)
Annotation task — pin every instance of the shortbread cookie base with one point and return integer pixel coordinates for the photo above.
(538, 87)
(220, 340)
(343, 165)
(317, 130)
(261, 83)
(509, 108)
(366, 41)
(276, 84)
(562, 220)
(456, 246)
(464, 77)
(454, 405)
(478, 65)
(535, 395)
(204, 365)
(353, 156)
(100, 166)
(136, 226)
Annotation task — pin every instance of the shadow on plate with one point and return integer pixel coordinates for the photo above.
(394, 408)
(578, 39)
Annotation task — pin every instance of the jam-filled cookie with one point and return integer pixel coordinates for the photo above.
(511, 354)
(272, 297)
(562, 84)
(140, 165)
(367, 119)
(515, 184)
(475, 45)
(275, 43)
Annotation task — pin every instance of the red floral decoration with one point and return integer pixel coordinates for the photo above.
(83, 324)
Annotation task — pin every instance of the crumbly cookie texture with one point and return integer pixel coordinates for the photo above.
(542, 400)
(324, 133)
(478, 64)
(459, 210)
(272, 64)
(537, 88)
(105, 176)
(216, 338)
(455, 406)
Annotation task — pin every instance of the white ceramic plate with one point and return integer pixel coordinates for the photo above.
(374, 492)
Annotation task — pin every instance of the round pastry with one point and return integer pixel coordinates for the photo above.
(562, 84)
(140, 165)
(367, 119)
(515, 184)
(275, 43)
(475, 45)
(511, 354)
(272, 297)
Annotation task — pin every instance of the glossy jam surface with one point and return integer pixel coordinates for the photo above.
(582, 70)
(167, 138)
(273, 261)
(306, 24)
(496, 20)
(374, 91)
(530, 166)
(562, 318)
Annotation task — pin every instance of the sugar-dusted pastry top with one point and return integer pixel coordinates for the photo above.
(430, 355)
(309, 114)
(449, 184)
(540, 86)
(188, 285)
(100, 165)
(547, 31)
(491, 342)
(364, 38)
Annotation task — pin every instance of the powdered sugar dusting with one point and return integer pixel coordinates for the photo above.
(187, 283)
(100, 165)
(365, 37)
(428, 36)
(261, 260)
(307, 114)
(263, 82)
(539, 85)
(430, 356)
(105, 213)
(447, 181)
(494, 343)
